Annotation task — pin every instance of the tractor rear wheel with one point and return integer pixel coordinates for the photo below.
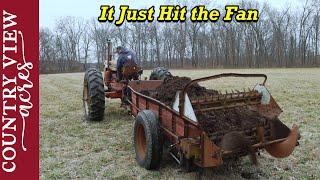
(160, 73)
(93, 95)
(147, 140)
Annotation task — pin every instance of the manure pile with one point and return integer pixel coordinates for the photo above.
(230, 119)
(166, 93)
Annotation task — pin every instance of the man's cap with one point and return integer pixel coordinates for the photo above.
(119, 48)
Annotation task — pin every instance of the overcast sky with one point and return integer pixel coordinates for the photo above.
(50, 10)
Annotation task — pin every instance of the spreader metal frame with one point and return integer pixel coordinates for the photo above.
(187, 137)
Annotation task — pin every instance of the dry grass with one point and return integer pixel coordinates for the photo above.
(72, 148)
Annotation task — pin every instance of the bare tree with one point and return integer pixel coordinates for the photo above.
(281, 38)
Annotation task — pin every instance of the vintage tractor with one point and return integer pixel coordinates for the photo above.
(176, 128)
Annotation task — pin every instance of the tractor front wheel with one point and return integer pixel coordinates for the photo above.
(147, 140)
(93, 95)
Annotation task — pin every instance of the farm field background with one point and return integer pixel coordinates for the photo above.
(72, 148)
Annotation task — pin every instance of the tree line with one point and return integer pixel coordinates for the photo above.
(281, 38)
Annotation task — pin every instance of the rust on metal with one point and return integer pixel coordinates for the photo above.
(185, 88)
(154, 101)
(211, 154)
(191, 148)
(286, 147)
(260, 134)
(270, 110)
(113, 95)
(187, 136)
(145, 85)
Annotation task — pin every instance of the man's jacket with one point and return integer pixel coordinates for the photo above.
(126, 58)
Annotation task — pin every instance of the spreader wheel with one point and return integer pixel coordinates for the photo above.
(93, 95)
(147, 140)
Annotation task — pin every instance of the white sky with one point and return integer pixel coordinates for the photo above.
(50, 10)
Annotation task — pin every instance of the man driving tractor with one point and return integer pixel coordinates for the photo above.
(127, 67)
(124, 68)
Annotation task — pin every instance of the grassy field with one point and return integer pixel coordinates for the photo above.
(74, 149)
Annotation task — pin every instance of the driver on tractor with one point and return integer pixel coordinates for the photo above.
(127, 67)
